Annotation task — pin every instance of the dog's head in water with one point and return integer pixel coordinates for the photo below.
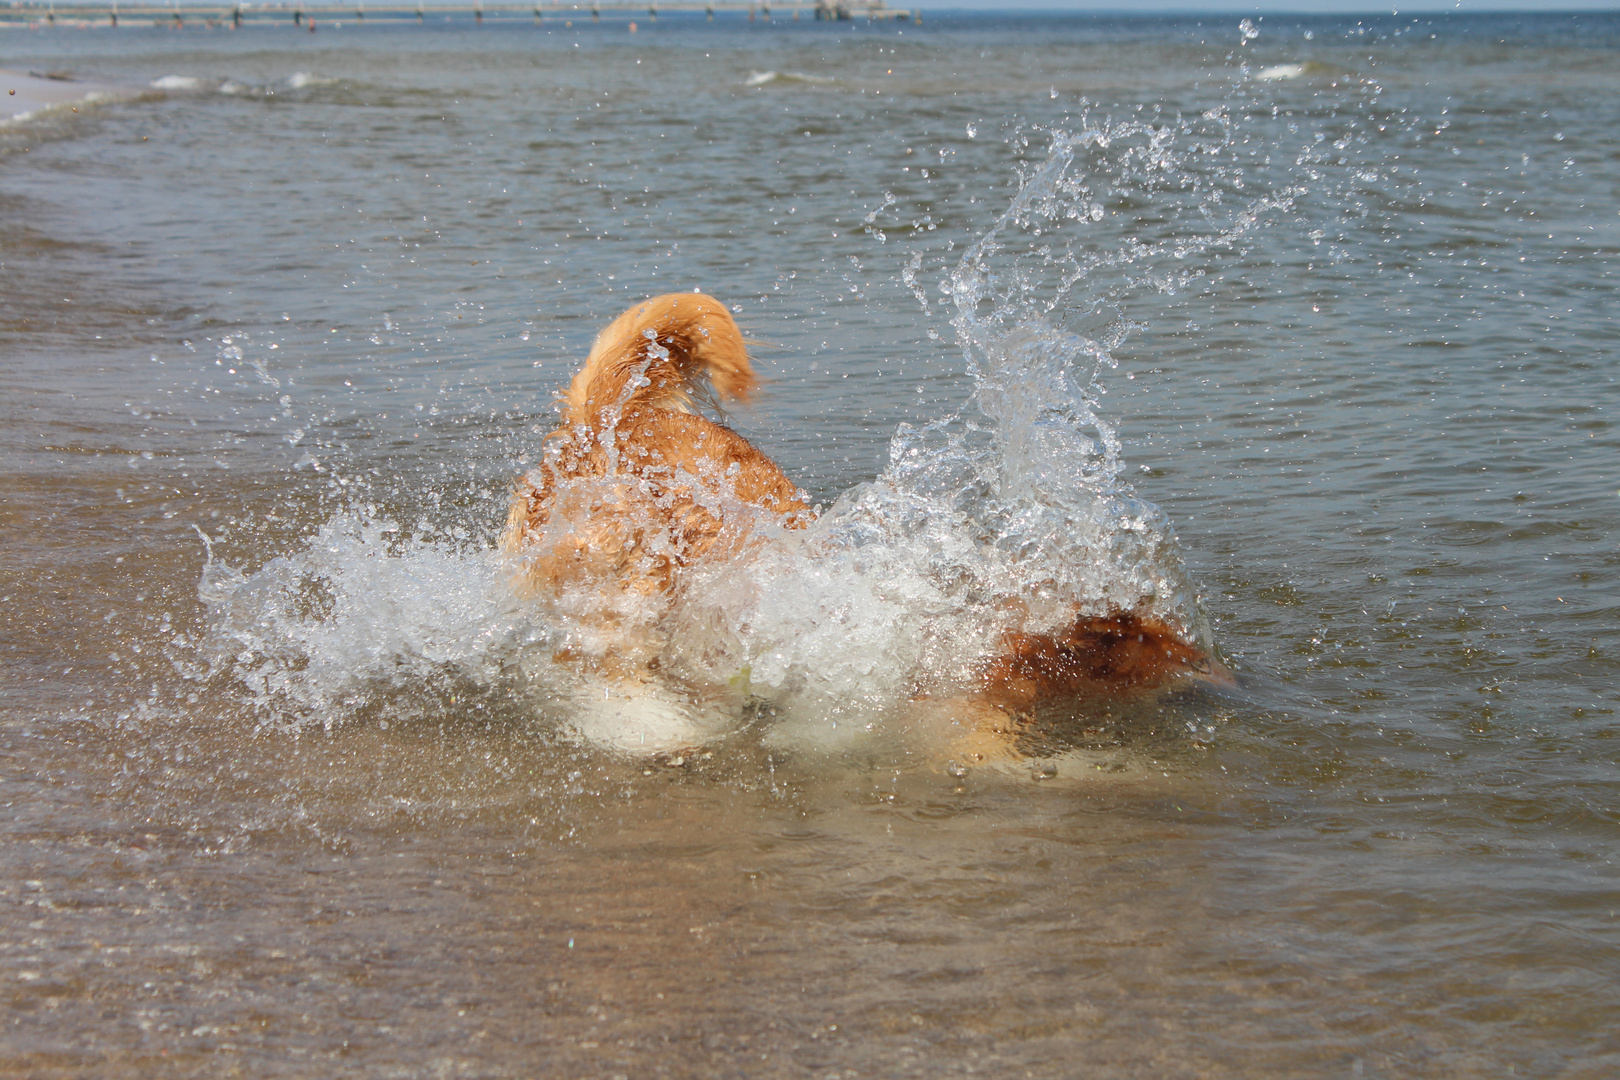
(1095, 654)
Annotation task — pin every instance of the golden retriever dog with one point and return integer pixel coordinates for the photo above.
(634, 488)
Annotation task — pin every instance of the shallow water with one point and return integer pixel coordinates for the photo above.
(1359, 280)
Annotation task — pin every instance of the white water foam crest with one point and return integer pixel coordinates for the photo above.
(1280, 71)
(300, 80)
(177, 83)
(766, 78)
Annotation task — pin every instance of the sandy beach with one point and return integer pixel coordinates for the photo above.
(28, 92)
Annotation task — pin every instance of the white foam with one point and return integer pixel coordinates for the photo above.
(765, 78)
(176, 82)
(1281, 71)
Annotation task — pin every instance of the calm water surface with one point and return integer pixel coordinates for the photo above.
(296, 811)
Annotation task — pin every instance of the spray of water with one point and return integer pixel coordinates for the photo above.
(1009, 514)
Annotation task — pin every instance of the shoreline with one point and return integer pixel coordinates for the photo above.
(24, 94)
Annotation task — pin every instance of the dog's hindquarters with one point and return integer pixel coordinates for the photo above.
(634, 485)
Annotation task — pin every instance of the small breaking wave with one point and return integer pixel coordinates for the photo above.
(1286, 72)
(300, 80)
(768, 78)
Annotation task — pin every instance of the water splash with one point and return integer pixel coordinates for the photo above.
(1008, 514)
(359, 614)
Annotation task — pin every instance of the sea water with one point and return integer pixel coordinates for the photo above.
(1294, 333)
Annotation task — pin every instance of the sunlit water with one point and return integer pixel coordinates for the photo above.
(1298, 335)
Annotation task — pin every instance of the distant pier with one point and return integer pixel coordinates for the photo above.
(298, 13)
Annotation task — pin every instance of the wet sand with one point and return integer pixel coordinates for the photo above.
(28, 92)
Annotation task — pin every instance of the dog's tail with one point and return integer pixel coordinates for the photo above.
(657, 354)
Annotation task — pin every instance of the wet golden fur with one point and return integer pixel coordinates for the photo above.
(665, 473)
(634, 487)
